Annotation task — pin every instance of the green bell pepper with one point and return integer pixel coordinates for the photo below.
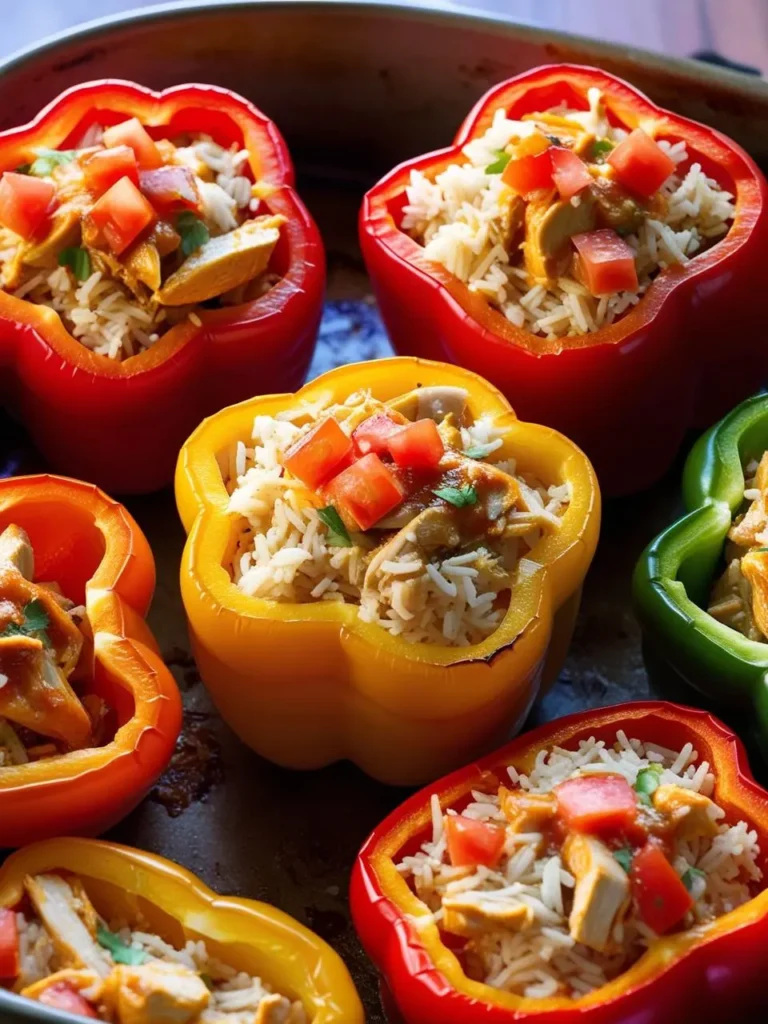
(676, 573)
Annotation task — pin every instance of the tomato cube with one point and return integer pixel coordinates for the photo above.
(569, 172)
(9, 945)
(372, 434)
(133, 133)
(320, 453)
(640, 164)
(170, 188)
(121, 215)
(529, 173)
(659, 893)
(108, 166)
(606, 264)
(366, 491)
(417, 446)
(471, 843)
(25, 203)
(63, 996)
(596, 804)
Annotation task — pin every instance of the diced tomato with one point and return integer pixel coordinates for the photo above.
(661, 897)
(108, 166)
(133, 133)
(472, 842)
(121, 215)
(372, 434)
(62, 996)
(569, 172)
(320, 453)
(25, 203)
(9, 945)
(641, 165)
(596, 804)
(417, 446)
(366, 491)
(606, 264)
(529, 173)
(170, 188)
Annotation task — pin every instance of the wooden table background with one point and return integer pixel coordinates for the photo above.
(736, 29)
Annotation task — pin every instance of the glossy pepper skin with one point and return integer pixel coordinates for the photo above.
(94, 550)
(677, 571)
(146, 405)
(249, 935)
(682, 977)
(627, 393)
(305, 685)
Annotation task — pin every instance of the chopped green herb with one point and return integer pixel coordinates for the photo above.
(35, 623)
(78, 261)
(690, 877)
(554, 140)
(23, 168)
(48, 159)
(121, 953)
(192, 230)
(337, 531)
(624, 857)
(601, 148)
(480, 451)
(458, 496)
(647, 782)
(761, 549)
(498, 165)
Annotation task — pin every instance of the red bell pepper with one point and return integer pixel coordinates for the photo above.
(627, 393)
(121, 424)
(703, 975)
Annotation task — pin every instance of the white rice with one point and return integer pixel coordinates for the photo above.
(458, 218)
(543, 959)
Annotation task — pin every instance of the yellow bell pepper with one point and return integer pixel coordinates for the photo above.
(308, 684)
(254, 937)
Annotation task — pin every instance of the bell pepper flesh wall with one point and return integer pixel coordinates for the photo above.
(666, 352)
(96, 553)
(675, 576)
(366, 692)
(126, 976)
(704, 970)
(207, 359)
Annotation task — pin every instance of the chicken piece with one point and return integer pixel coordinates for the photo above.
(16, 551)
(158, 993)
(527, 812)
(223, 263)
(470, 914)
(748, 530)
(449, 431)
(689, 813)
(64, 233)
(754, 569)
(550, 224)
(60, 911)
(143, 261)
(615, 207)
(601, 896)
(81, 980)
(731, 601)
(431, 403)
(512, 220)
(434, 528)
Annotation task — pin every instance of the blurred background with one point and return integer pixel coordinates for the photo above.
(736, 30)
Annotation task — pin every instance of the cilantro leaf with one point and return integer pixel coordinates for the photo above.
(647, 782)
(601, 148)
(193, 232)
(35, 623)
(624, 857)
(48, 159)
(479, 451)
(458, 496)
(337, 531)
(121, 953)
(690, 876)
(78, 261)
(498, 165)
(23, 168)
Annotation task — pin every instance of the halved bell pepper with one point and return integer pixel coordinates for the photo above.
(121, 424)
(308, 684)
(677, 571)
(94, 550)
(713, 969)
(174, 904)
(628, 392)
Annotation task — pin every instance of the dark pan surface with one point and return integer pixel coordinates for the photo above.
(355, 89)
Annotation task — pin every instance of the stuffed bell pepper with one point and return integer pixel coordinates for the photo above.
(588, 253)
(114, 934)
(383, 567)
(156, 264)
(89, 714)
(701, 587)
(607, 867)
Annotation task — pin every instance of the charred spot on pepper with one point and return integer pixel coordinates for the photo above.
(195, 766)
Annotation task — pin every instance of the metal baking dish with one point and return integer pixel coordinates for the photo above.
(355, 88)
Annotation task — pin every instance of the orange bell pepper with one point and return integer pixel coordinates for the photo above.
(94, 550)
(305, 685)
(248, 935)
